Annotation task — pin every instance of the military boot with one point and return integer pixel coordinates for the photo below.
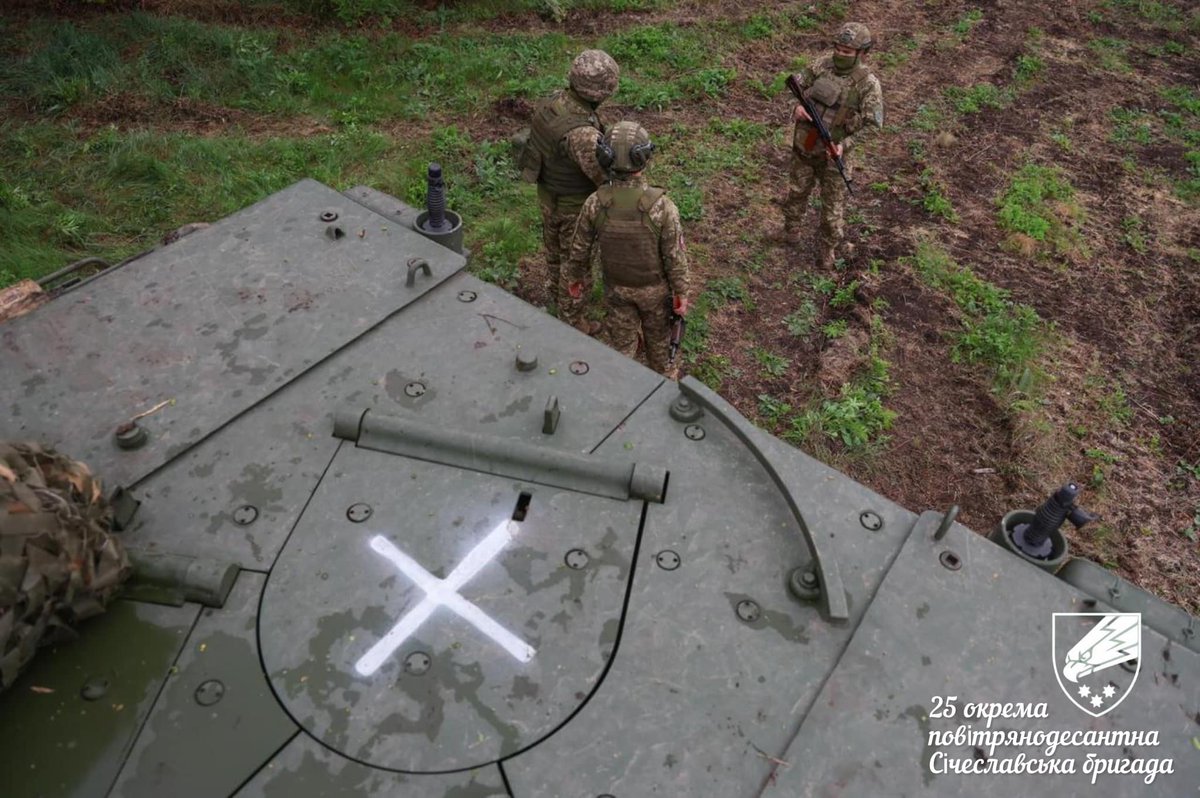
(788, 235)
(826, 255)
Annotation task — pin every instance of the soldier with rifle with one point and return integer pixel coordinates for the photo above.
(642, 255)
(838, 99)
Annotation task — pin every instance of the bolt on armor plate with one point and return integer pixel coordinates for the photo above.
(749, 611)
(950, 560)
(526, 361)
(667, 560)
(245, 515)
(467, 296)
(804, 584)
(579, 368)
(414, 389)
(209, 692)
(694, 432)
(417, 663)
(359, 512)
(685, 410)
(94, 688)
(577, 559)
(870, 520)
(131, 435)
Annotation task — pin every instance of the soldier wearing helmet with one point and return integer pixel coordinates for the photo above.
(640, 237)
(851, 102)
(560, 157)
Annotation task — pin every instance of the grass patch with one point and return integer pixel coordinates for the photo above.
(928, 118)
(1110, 54)
(773, 366)
(1039, 205)
(661, 64)
(899, 54)
(973, 99)
(935, 200)
(965, 24)
(1183, 125)
(1154, 14)
(1003, 336)
(800, 322)
(331, 73)
(857, 418)
(1130, 126)
(708, 368)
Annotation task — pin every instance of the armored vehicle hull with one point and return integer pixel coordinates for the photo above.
(424, 540)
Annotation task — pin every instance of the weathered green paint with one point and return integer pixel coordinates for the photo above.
(57, 743)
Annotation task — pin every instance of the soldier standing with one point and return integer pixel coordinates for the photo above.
(561, 158)
(641, 248)
(851, 101)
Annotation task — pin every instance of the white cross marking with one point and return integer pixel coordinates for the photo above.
(444, 593)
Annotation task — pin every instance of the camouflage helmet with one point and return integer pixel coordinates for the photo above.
(594, 75)
(854, 34)
(626, 149)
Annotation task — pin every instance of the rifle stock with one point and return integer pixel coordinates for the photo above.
(822, 131)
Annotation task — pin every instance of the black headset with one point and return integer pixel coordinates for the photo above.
(639, 154)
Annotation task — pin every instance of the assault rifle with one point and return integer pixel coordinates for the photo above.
(822, 131)
(678, 328)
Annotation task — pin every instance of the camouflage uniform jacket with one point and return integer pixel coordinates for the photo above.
(662, 220)
(851, 103)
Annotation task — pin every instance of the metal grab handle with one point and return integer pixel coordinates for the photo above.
(415, 265)
(833, 595)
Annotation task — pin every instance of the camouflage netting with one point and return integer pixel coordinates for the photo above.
(59, 563)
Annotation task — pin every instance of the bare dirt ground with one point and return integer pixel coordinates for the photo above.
(1120, 318)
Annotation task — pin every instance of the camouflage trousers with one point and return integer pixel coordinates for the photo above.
(805, 173)
(642, 311)
(558, 228)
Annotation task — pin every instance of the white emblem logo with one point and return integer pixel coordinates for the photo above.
(444, 593)
(1098, 670)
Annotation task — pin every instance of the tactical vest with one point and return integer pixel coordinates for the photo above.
(839, 99)
(628, 236)
(545, 159)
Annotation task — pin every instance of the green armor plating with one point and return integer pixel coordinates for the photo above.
(628, 236)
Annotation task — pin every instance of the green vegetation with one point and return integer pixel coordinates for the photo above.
(1039, 203)
(845, 296)
(1192, 530)
(1135, 234)
(1115, 405)
(1183, 125)
(1110, 54)
(1029, 68)
(661, 64)
(1004, 336)
(726, 289)
(858, 417)
(800, 322)
(929, 117)
(773, 366)
(935, 200)
(1130, 125)
(835, 329)
(973, 99)
(966, 23)
(1154, 14)
(709, 368)
(899, 53)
